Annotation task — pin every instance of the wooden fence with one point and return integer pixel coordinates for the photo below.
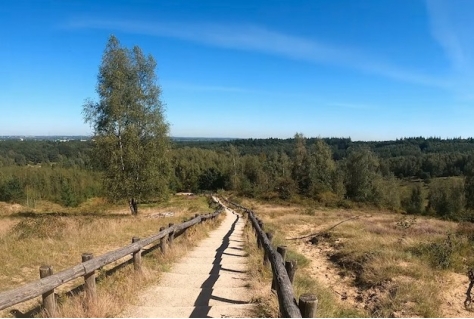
(49, 281)
(283, 273)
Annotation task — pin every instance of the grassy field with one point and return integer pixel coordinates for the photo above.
(29, 239)
(374, 264)
(377, 264)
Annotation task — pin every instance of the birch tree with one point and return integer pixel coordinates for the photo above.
(129, 128)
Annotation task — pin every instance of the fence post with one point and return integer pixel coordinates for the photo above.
(163, 242)
(171, 235)
(259, 240)
(137, 256)
(265, 254)
(291, 267)
(49, 301)
(89, 280)
(308, 305)
(282, 251)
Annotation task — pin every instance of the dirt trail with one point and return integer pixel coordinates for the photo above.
(454, 294)
(452, 286)
(327, 274)
(210, 281)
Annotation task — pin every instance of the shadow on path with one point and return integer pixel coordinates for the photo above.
(201, 304)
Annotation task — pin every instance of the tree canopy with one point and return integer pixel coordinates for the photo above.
(130, 131)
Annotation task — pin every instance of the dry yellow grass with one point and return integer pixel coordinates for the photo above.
(60, 240)
(266, 301)
(379, 264)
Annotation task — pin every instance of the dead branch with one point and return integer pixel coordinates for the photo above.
(322, 232)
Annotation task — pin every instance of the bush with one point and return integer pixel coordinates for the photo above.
(446, 198)
(448, 253)
(415, 203)
(12, 191)
(41, 227)
(328, 198)
(385, 192)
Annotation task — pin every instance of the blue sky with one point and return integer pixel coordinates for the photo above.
(371, 70)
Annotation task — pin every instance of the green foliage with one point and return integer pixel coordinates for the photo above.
(446, 198)
(333, 171)
(414, 204)
(361, 170)
(69, 187)
(440, 254)
(386, 192)
(212, 179)
(68, 198)
(285, 188)
(130, 132)
(74, 153)
(469, 184)
(322, 168)
(12, 191)
(301, 165)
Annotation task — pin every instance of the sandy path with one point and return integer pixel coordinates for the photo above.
(210, 281)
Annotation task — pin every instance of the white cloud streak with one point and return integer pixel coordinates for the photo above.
(452, 26)
(442, 31)
(257, 39)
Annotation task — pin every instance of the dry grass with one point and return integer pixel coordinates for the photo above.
(389, 264)
(59, 240)
(266, 301)
(121, 289)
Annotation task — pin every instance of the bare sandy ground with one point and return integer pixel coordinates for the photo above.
(210, 281)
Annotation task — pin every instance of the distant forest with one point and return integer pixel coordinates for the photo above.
(416, 175)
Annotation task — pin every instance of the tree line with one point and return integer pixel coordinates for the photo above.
(130, 156)
(306, 170)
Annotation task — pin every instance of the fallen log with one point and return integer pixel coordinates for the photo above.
(323, 232)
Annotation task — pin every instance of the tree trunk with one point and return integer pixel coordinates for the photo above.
(133, 206)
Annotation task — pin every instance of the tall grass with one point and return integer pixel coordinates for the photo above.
(398, 259)
(59, 240)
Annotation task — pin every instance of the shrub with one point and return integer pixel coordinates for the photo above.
(446, 198)
(328, 198)
(415, 203)
(447, 253)
(12, 191)
(41, 227)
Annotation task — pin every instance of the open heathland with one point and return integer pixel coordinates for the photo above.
(375, 263)
(33, 238)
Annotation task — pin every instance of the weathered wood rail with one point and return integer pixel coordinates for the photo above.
(283, 272)
(49, 281)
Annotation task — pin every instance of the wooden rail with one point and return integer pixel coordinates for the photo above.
(49, 281)
(283, 273)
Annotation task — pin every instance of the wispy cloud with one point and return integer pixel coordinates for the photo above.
(442, 30)
(452, 26)
(258, 39)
